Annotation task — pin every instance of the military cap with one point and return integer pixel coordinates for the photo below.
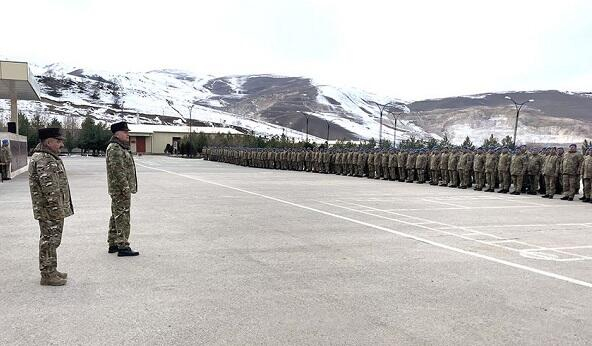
(120, 126)
(50, 132)
(5, 141)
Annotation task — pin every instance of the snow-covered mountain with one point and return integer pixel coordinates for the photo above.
(274, 105)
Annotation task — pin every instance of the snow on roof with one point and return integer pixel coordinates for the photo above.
(143, 128)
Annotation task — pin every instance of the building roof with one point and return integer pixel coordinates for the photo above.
(144, 128)
(16, 80)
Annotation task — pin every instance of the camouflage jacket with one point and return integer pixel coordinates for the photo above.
(551, 165)
(121, 169)
(586, 171)
(535, 164)
(503, 164)
(571, 164)
(518, 164)
(48, 183)
(479, 163)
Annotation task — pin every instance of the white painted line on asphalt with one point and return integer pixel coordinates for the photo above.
(445, 203)
(454, 234)
(402, 234)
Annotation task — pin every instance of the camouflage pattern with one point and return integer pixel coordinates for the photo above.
(50, 195)
(5, 160)
(48, 184)
(571, 167)
(586, 173)
(122, 182)
(49, 241)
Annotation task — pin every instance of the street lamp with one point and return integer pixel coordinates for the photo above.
(381, 108)
(122, 108)
(518, 108)
(190, 110)
(328, 125)
(396, 117)
(307, 118)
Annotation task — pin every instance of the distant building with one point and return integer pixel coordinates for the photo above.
(153, 139)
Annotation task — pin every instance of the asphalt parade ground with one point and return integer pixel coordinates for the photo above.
(238, 255)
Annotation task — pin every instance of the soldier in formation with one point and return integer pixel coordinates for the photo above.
(533, 171)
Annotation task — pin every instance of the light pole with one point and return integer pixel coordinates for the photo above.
(328, 125)
(307, 118)
(518, 108)
(122, 108)
(396, 117)
(190, 110)
(381, 108)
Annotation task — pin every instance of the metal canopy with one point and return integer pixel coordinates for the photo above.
(17, 81)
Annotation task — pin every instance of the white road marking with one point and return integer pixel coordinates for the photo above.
(445, 203)
(466, 229)
(402, 234)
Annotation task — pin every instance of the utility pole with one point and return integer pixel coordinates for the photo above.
(190, 109)
(518, 108)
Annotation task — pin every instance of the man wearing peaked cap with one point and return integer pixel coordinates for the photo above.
(50, 194)
(120, 126)
(122, 182)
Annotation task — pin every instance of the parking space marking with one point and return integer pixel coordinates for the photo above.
(402, 234)
(467, 230)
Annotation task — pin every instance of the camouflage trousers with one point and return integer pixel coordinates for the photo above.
(453, 174)
(490, 178)
(49, 241)
(444, 176)
(587, 187)
(480, 179)
(550, 185)
(569, 185)
(119, 224)
(5, 170)
(505, 180)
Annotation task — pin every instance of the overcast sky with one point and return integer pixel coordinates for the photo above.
(405, 49)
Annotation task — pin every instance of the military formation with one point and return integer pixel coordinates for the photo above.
(548, 171)
(52, 200)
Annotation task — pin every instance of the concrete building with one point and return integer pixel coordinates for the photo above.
(153, 139)
(17, 83)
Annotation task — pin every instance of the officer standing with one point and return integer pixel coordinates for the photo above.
(122, 182)
(50, 194)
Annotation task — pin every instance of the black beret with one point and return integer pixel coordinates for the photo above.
(120, 126)
(50, 132)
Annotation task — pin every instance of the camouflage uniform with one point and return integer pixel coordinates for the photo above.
(551, 169)
(586, 173)
(122, 182)
(503, 169)
(5, 159)
(50, 194)
(571, 167)
(479, 168)
(518, 168)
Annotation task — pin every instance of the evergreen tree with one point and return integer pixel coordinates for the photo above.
(432, 143)
(468, 144)
(491, 142)
(55, 123)
(445, 142)
(508, 142)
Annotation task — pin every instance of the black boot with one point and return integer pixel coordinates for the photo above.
(127, 251)
(113, 248)
(564, 198)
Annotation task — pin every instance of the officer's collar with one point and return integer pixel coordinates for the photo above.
(40, 148)
(119, 142)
